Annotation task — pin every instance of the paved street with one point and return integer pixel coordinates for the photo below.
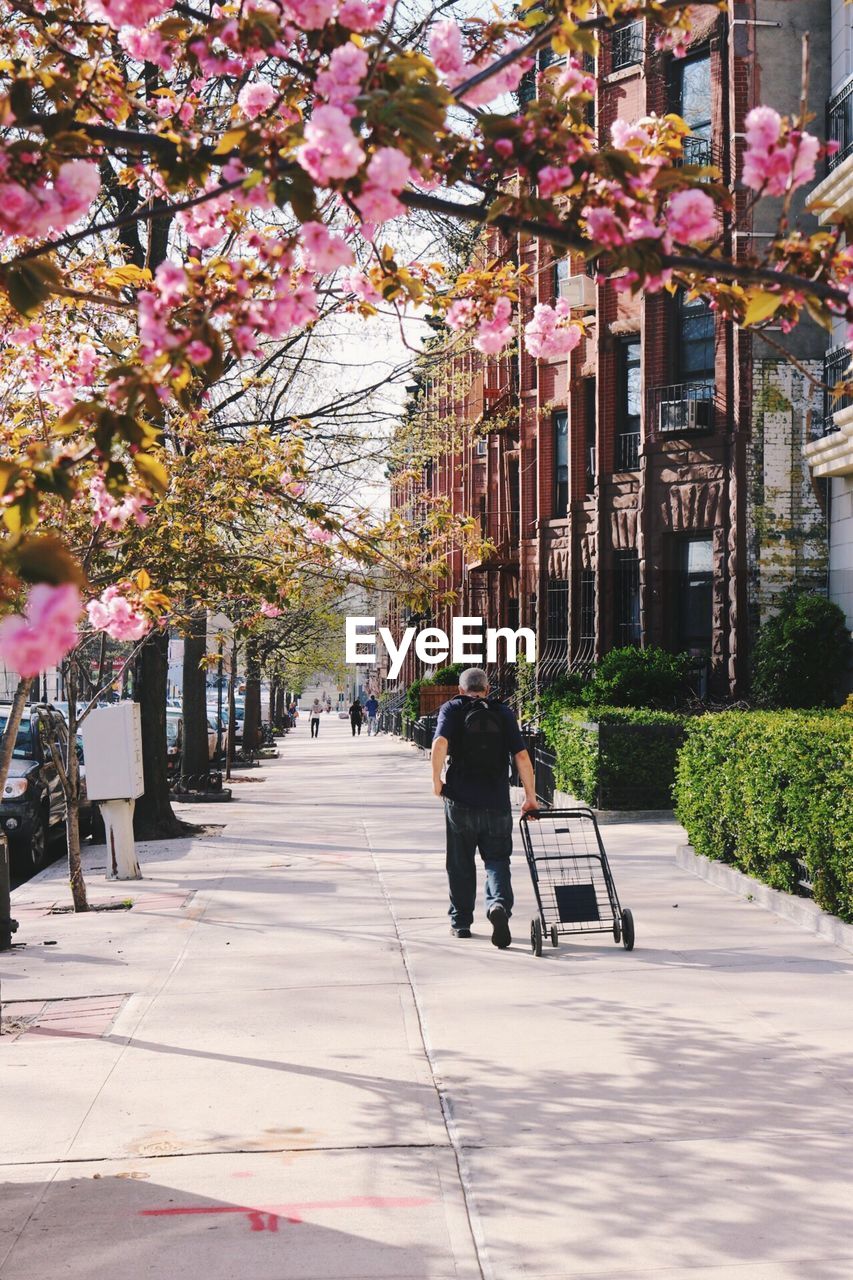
(280, 1065)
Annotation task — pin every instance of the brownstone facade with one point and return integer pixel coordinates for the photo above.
(619, 489)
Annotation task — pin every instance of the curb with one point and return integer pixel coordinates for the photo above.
(800, 911)
(609, 817)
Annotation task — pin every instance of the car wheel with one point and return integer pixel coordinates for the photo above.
(38, 844)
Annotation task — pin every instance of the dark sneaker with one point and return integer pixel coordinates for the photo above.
(501, 936)
(460, 933)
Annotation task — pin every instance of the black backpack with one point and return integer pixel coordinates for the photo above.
(480, 747)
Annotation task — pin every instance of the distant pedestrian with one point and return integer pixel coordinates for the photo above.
(356, 715)
(372, 709)
(316, 712)
(480, 735)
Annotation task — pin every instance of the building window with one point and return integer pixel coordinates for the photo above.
(691, 99)
(628, 406)
(562, 273)
(590, 451)
(481, 447)
(695, 602)
(627, 628)
(558, 609)
(561, 464)
(627, 46)
(694, 340)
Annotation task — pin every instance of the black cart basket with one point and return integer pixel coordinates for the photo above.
(571, 878)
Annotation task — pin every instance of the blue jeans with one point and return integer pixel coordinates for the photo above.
(490, 831)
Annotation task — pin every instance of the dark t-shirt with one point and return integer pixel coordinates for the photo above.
(477, 793)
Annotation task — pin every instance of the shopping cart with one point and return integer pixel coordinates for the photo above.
(571, 878)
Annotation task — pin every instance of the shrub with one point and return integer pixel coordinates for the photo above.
(762, 790)
(447, 675)
(632, 677)
(801, 655)
(615, 758)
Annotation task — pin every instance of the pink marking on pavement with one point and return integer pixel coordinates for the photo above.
(267, 1218)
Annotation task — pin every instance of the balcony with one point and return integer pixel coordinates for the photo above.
(836, 370)
(839, 125)
(627, 46)
(681, 409)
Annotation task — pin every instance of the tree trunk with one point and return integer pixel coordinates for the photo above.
(280, 707)
(153, 818)
(273, 699)
(195, 757)
(252, 718)
(72, 799)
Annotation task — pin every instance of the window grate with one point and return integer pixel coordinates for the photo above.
(627, 630)
(627, 46)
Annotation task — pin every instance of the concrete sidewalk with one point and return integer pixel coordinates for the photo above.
(279, 1065)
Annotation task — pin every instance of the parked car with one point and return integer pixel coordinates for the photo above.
(32, 806)
(175, 738)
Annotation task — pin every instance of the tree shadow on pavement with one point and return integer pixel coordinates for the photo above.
(98, 1228)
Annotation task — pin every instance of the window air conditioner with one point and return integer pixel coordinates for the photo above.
(676, 416)
(578, 291)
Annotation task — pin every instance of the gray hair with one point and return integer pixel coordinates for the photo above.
(474, 680)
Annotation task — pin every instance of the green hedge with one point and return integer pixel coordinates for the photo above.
(762, 789)
(615, 757)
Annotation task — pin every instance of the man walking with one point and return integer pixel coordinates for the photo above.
(372, 709)
(355, 717)
(480, 735)
(316, 712)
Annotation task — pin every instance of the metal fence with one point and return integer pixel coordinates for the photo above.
(839, 125)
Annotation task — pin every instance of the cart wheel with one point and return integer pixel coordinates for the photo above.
(555, 936)
(536, 936)
(617, 930)
(627, 931)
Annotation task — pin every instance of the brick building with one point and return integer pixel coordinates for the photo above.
(651, 489)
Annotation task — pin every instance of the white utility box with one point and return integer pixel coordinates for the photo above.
(112, 751)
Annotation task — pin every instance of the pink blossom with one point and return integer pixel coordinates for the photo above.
(115, 515)
(323, 251)
(445, 48)
(114, 614)
(361, 285)
(41, 636)
(310, 14)
(256, 98)
(77, 183)
(356, 15)
(317, 534)
(691, 217)
(503, 81)
(146, 46)
(603, 227)
(389, 168)
(461, 313)
(131, 13)
(551, 179)
(339, 83)
(23, 337)
(199, 352)
(629, 136)
(763, 128)
(495, 332)
(270, 610)
(331, 150)
(18, 209)
(547, 335)
(171, 281)
(295, 488)
(575, 80)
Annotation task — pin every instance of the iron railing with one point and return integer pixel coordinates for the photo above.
(628, 451)
(836, 370)
(683, 408)
(627, 46)
(839, 125)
